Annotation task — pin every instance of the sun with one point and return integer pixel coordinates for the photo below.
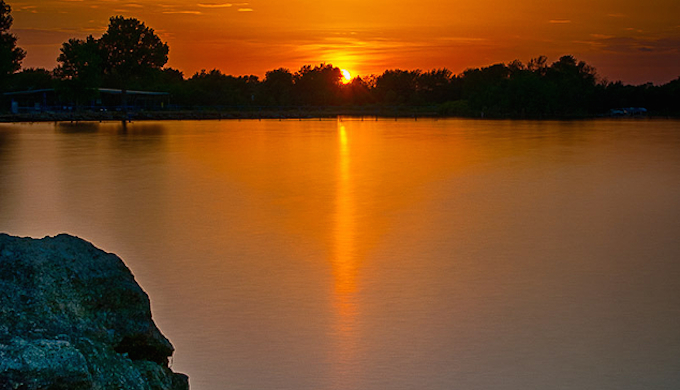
(346, 76)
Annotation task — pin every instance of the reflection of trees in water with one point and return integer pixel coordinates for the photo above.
(104, 174)
(137, 137)
(76, 127)
(7, 140)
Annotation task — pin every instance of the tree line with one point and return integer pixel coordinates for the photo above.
(130, 56)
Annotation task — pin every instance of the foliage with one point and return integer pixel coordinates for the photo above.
(277, 87)
(81, 69)
(130, 49)
(10, 55)
(317, 86)
(31, 79)
(217, 90)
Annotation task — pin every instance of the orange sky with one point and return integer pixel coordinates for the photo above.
(625, 40)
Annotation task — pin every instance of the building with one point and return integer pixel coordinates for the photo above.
(106, 99)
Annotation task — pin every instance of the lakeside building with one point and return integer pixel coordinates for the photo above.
(105, 99)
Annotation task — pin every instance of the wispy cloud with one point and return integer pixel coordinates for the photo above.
(462, 39)
(617, 15)
(214, 5)
(245, 10)
(45, 37)
(559, 21)
(183, 12)
(614, 44)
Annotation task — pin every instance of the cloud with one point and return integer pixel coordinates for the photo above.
(559, 21)
(462, 39)
(27, 8)
(183, 12)
(613, 44)
(214, 5)
(245, 10)
(617, 15)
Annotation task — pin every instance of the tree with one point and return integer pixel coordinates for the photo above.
(80, 59)
(574, 84)
(435, 86)
(319, 85)
(80, 68)
(130, 49)
(397, 86)
(10, 55)
(277, 87)
(32, 79)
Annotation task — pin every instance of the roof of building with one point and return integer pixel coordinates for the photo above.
(101, 90)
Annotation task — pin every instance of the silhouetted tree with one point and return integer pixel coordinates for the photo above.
(10, 55)
(574, 86)
(358, 92)
(277, 87)
(528, 93)
(319, 85)
(81, 68)
(538, 65)
(130, 49)
(397, 86)
(485, 88)
(435, 86)
(219, 90)
(32, 79)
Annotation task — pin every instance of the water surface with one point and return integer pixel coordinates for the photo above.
(373, 255)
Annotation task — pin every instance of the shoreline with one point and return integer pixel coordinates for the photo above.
(299, 114)
(217, 114)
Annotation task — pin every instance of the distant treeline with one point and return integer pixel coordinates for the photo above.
(130, 56)
(565, 88)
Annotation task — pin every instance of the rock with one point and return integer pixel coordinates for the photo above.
(73, 317)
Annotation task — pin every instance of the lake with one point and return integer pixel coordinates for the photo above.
(362, 254)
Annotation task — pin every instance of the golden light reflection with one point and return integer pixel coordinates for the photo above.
(344, 265)
(344, 259)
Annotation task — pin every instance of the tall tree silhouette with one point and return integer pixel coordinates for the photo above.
(10, 54)
(319, 85)
(130, 49)
(397, 86)
(277, 87)
(80, 68)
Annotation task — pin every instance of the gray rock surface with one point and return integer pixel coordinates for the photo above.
(73, 317)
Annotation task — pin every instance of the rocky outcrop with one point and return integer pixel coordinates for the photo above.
(73, 317)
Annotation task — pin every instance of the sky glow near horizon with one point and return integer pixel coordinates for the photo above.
(623, 40)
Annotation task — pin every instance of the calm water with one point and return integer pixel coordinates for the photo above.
(380, 255)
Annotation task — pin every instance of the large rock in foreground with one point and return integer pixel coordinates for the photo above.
(73, 317)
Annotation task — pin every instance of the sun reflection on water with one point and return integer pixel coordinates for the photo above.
(344, 263)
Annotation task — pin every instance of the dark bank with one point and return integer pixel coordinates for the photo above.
(73, 317)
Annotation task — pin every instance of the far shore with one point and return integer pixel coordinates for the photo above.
(215, 114)
(301, 114)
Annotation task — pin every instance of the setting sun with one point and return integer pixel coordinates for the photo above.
(628, 42)
(346, 76)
